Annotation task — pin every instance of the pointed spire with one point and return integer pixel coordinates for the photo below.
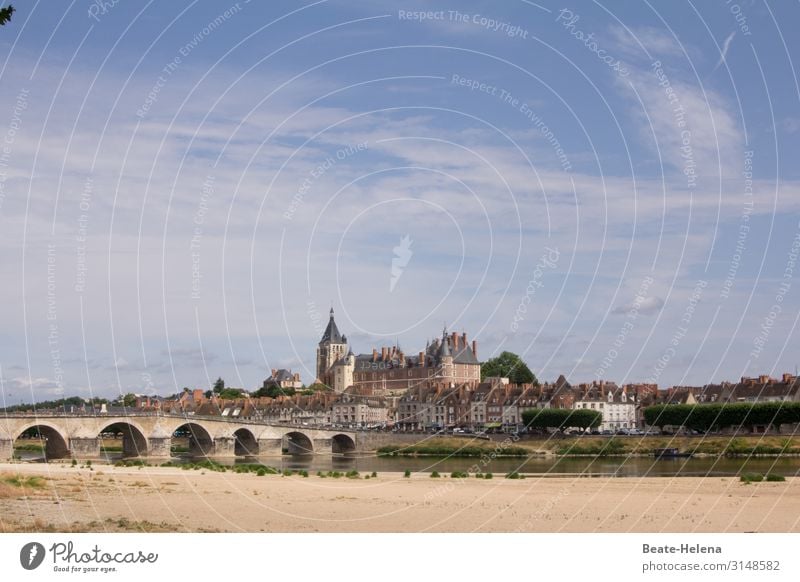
(332, 334)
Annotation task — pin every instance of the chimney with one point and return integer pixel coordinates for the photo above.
(274, 371)
(422, 359)
(374, 355)
(464, 341)
(455, 341)
(475, 348)
(384, 353)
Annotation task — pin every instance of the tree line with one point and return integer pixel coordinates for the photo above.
(705, 417)
(562, 418)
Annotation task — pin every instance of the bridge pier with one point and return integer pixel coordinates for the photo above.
(323, 446)
(159, 446)
(84, 448)
(6, 449)
(225, 447)
(270, 447)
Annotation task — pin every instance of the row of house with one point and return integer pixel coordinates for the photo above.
(492, 404)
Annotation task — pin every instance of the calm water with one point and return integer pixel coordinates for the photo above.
(586, 466)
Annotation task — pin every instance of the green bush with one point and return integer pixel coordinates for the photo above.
(261, 472)
(74, 462)
(704, 417)
(773, 477)
(304, 473)
(407, 474)
(288, 472)
(562, 418)
(459, 475)
(751, 477)
(487, 475)
(353, 474)
(514, 475)
(435, 475)
(374, 475)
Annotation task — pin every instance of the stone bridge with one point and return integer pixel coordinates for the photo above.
(150, 435)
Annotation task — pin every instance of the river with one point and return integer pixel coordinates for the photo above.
(543, 466)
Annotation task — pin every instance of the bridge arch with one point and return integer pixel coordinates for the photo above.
(55, 441)
(134, 443)
(246, 444)
(342, 443)
(297, 443)
(201, 442)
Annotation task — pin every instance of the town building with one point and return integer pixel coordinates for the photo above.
(283, 379)
(617, 407)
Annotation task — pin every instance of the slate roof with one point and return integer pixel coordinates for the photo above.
(332, 334)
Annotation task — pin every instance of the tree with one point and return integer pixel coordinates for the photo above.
(231, 393)
(508, 365)
(129, 400)
(5, 14)
(273, 391)
(219, 386)
(562, 418)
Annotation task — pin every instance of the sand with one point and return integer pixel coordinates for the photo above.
(169, 499)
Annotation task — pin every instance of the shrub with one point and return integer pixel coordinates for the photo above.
(479, 475)
(774, 477)
(487, 475)
(74, 462)
(304, 473)
(374, 475)
(435, 475)
(288, 472)
(459, 475)
(261, 472)
(562, 418)
(352, 474)
(407, 474)
(751, 477)
(514, 475)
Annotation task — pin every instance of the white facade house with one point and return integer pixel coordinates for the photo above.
(619, 410)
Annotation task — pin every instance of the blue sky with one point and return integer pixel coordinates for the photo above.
(187, 187)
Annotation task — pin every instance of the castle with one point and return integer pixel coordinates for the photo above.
(448, 360)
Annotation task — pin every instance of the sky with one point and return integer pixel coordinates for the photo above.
(610, 190)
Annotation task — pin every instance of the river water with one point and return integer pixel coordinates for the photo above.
(545, 466)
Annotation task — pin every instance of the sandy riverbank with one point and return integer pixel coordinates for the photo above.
(110, 498)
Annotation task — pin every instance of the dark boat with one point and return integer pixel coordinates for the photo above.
(669, 453)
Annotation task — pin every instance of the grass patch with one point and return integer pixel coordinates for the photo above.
(23, 482)
(454, 448)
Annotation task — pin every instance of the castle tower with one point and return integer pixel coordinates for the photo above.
(331, 348)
